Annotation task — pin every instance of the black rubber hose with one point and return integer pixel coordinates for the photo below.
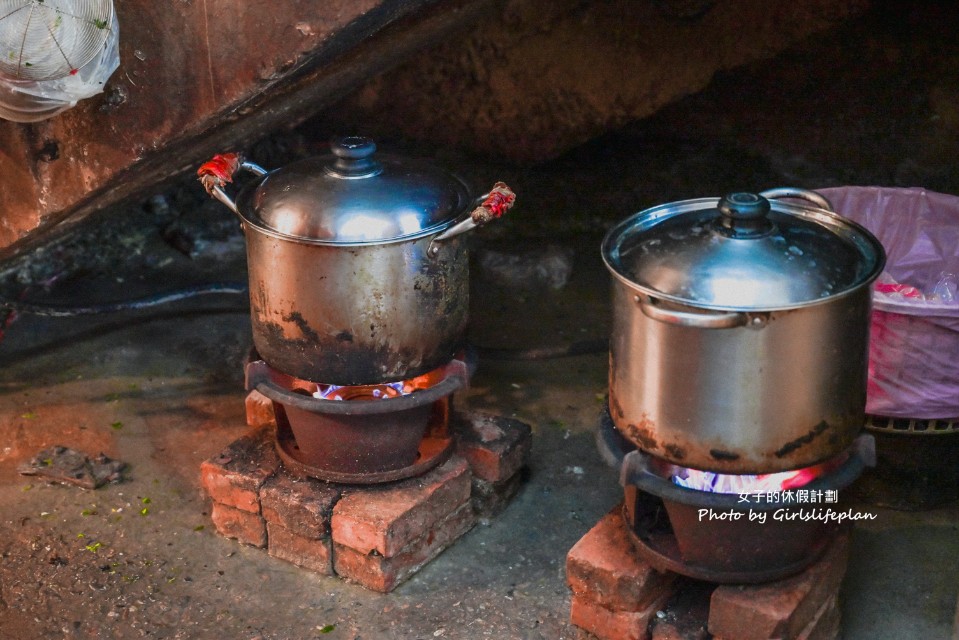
(58, 311)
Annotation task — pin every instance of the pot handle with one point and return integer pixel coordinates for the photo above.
(219, 171)
(489, 206)
(723, 320)
(817, 199)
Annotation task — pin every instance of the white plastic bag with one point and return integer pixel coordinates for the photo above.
(31, 101)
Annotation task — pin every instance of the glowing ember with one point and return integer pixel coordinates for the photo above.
(376, 391)
(364, 392)
(734, 483)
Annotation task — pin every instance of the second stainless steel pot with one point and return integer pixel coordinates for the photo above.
(357, 271)
(740, 331)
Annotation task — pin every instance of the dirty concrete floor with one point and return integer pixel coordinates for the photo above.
(162, 389)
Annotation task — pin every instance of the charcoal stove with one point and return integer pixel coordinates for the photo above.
(727, 528)
(757, 556)
(362, 434)
(365, 482)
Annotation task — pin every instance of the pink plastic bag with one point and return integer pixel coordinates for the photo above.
(914, 343)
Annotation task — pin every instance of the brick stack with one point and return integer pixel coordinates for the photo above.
(615, 593)
(383, 535)
(804, 606)
(377, 535)
(618, 596)
(497, 450)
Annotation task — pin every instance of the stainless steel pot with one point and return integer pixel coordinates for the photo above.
(357, 271)
(740, 330)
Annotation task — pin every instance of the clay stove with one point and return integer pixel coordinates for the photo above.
(698, 554)
(362, 434)
(370, 487)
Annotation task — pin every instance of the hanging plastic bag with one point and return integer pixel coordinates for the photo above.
(38, 78)
(914, 335)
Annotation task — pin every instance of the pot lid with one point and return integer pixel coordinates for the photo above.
(354, 196)
(742, 252)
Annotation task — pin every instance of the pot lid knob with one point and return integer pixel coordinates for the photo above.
(354, 158)
(744, 215)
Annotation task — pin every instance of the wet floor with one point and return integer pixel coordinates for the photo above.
(161, 389)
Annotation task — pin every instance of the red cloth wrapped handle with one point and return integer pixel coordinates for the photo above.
(499, 201)
(219, 171)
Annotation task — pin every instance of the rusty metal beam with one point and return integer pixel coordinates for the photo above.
(195, 81)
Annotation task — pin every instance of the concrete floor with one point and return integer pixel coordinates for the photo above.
(162, 390)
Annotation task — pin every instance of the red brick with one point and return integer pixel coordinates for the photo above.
(604, 568)
(315, 555)
(379, 573)
(495, 447)
(490, 498)
(302, 506)
(243, 526)
(779, 609)
(259, 410)
(606, 624)
(826, 624)
(234, 477)
(387, 518)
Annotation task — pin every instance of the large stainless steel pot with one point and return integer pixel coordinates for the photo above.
(357, 271)
(740, 330)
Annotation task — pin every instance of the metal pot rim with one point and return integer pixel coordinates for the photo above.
(646, 292)
(431, 231)
(853, 230)
(258, 225)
